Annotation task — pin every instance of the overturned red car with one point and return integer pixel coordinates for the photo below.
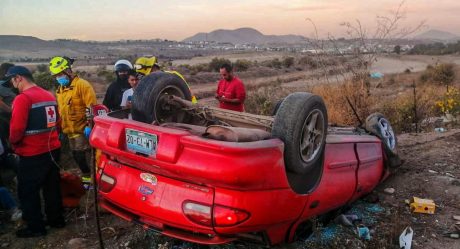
(212, 176)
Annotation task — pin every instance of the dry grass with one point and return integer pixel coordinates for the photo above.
(393, 96)
(339, 111)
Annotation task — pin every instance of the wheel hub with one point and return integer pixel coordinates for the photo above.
(387, 133)
(312, 136)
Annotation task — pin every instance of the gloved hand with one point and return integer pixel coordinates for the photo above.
(87, 131)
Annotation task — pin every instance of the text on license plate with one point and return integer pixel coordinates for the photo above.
(142, 142)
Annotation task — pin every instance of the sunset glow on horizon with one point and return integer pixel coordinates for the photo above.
(177, 20)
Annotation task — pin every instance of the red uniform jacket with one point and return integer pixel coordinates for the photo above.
(33, 122)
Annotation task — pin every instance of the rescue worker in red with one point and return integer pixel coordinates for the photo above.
(74, 96)
(34, 138)
(230, 90)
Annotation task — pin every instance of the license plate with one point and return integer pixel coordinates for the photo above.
(141, 142)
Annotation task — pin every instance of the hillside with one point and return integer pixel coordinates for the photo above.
(244, 36)
(25, 48)
(437, 35)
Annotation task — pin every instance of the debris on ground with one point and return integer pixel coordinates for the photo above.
(389, 191)
(425, 206)
(440, 129)
(347, 220)
(77, 243)
(325, 235)
(363, 232)
(405, 239)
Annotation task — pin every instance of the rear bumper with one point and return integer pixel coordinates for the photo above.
(174, 231)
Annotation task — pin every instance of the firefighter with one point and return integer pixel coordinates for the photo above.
(112, 98)
(146, 65)
(34, 138)
(74, 96)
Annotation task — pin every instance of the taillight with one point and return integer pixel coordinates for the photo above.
(106, 183)
(197, 212)
(225, 216)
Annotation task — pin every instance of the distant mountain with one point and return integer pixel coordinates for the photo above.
(13, 47)
(22, 42)
(244, 36)
(437, 35)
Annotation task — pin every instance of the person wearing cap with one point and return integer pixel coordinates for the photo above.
(114, 93)
(35, 139)
(74, 96)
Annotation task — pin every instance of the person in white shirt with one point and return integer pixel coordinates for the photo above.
(126, 100)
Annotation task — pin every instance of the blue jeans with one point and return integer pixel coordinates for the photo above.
(6, 200)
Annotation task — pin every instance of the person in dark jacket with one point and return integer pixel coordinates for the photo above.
(6, 100)
(114, 94)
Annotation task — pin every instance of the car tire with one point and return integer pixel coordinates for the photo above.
(301, 123)
(277, 106)
(151, 95)
(378, 125)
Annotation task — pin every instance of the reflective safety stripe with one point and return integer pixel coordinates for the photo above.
(33, 132)
(44, 104)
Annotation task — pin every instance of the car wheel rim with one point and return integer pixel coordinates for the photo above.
(388, 135)
(164, 111)
(312, 136)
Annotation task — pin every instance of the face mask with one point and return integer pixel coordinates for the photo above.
(122, 76)
(63, 80)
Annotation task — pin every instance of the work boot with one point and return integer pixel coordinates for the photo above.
(56, 224)
(86, 179)
(87, 182)
(28, 233)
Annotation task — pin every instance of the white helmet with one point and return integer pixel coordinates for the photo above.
(122, 65)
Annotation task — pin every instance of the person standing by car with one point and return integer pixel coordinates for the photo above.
(230, 90)
(114, 93)
(34, 138)
(74, 97)
(127, 98)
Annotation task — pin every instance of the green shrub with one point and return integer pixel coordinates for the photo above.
(216, 63)
(308, 61)
(45, 80)
(242, 65)
(442, 74)
(275, 63)
(42, 68)
(262, 99)
(108, 76)
(288, 62)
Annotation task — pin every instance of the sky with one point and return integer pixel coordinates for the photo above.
(177, 20)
